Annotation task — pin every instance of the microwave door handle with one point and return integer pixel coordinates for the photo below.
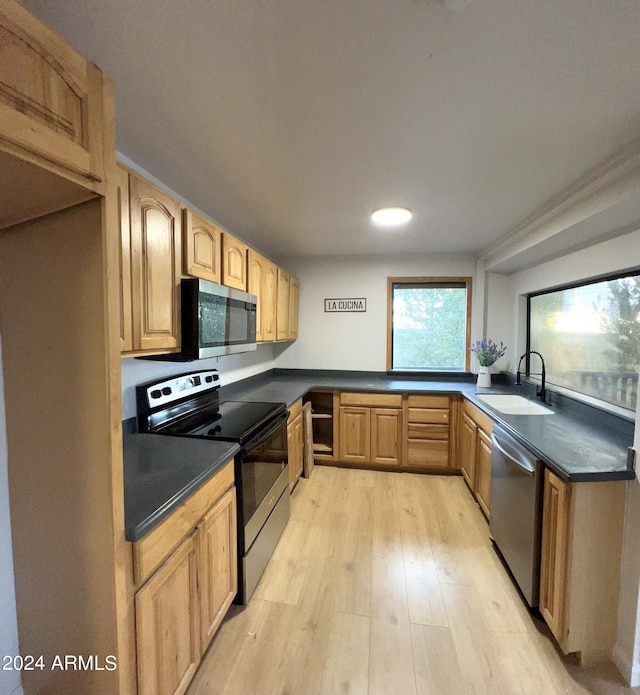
(263, 435)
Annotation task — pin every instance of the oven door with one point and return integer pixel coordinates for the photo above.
(263, 475)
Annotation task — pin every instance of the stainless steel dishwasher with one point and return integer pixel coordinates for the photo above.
(516, 510)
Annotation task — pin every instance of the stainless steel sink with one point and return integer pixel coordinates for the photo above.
(514, 405)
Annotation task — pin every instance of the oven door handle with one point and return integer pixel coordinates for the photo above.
(263, 435)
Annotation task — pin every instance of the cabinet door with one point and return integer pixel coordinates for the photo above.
(294, 300)
(255, 285)
(295, 447)
(483, 471)
(218, 577)
(554, 553)
(126, 320)
(468, 450)
(282, 309)
(234, 262)
(386, 436)
(156, 254)
(355, 434)
(270, 298)
(167, 624)
(262, 281)
(51, 98)
(202, 251)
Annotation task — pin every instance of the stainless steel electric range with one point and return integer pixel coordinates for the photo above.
(189, 405)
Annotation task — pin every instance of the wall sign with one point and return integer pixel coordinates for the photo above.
(345, 304)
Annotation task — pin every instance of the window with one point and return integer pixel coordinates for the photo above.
(428, 324)
(589, 336)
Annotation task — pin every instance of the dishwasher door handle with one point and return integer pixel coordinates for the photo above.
(524, 465)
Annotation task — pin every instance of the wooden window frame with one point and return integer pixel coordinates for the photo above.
(391, 281)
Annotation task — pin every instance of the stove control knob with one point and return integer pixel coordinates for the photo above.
(156, 393)
(166, 391)
(208, 379)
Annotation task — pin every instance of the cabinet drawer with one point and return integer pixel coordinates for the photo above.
(422, 431)
(430, 415)
(428, 453)
(150, 552)
(428, 401)
(481, 419)
(383, 400)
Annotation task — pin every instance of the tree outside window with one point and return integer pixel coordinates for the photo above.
(429, 324)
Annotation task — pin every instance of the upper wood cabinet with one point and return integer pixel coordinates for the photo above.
(294, 300)
(287, 306)
(156, 236)
(126, 319)
(262, 281)
(234, 262)
(282, 310)
(52, 100)
(202, 247)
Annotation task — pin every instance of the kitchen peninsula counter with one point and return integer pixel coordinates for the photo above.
(161, 472)
(578, 442)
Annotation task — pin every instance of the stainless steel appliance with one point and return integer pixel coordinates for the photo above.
(189, 405)
(516, 510)
(216, 320)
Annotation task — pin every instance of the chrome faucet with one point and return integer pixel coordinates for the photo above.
(540, 390)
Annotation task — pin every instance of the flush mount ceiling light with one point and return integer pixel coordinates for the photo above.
(391, 217)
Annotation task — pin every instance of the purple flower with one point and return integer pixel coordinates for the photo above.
(487, 351)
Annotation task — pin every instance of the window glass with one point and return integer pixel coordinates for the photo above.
(589, 337)
(429, 324)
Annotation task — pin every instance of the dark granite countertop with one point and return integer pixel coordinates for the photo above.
(579, 442)
(160, 472)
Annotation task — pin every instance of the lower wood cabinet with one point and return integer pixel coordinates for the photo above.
(582, 526)
(295, 443)
(186, 589)
(370, 429)
(427, 431)
(475, 454)
(168, 624)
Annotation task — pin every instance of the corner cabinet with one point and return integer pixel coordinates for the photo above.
(155, 257)
(582, 526)
(186, 572)
(56, 108)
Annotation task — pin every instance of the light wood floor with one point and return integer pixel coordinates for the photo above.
(386, 584)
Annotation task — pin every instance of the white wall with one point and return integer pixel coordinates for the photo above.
(9, 680)
(354, 341)
(608, 257)
(231, 367)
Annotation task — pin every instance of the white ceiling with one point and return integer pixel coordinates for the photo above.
(289, 121)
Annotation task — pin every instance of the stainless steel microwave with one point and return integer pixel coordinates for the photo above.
(216, 320)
